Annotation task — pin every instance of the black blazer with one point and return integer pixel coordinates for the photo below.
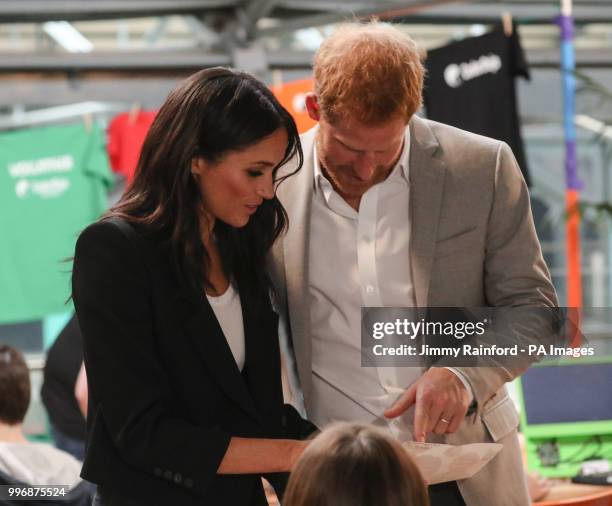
(165, 394)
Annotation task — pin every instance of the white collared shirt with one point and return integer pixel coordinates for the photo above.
(358, 258)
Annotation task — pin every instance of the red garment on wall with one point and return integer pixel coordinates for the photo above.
(126, 133)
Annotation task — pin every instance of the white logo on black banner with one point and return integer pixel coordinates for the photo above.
(456, 74)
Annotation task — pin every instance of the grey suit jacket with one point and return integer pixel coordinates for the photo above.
(473, 243)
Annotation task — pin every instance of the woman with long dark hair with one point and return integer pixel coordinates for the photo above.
(171, 292)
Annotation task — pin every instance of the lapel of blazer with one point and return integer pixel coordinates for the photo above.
(427, 173)
(202, 326)
(297, 199)
(197, 318)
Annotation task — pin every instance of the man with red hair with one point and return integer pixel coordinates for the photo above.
(393, 210)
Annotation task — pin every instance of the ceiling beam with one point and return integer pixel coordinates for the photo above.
(525, 11)
(541, 11)
(142, 61)
(535, 13)
(24, 11)
(124, 60)
(45, 89)
(190, 59)
(257, 9)
(381, 10)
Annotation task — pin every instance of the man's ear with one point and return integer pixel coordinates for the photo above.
(312, 106)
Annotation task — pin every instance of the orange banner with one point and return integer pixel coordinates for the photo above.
(291, 95)
(574, 281)
(574, 276)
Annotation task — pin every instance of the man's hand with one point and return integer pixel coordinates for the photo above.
(441, 403)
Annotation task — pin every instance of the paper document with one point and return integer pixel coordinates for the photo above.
(440, 462)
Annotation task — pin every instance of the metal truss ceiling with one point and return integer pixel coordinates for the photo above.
(71, 10)
(24, 11)
(222, 28)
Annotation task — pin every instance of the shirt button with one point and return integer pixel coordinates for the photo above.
(369, 289)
